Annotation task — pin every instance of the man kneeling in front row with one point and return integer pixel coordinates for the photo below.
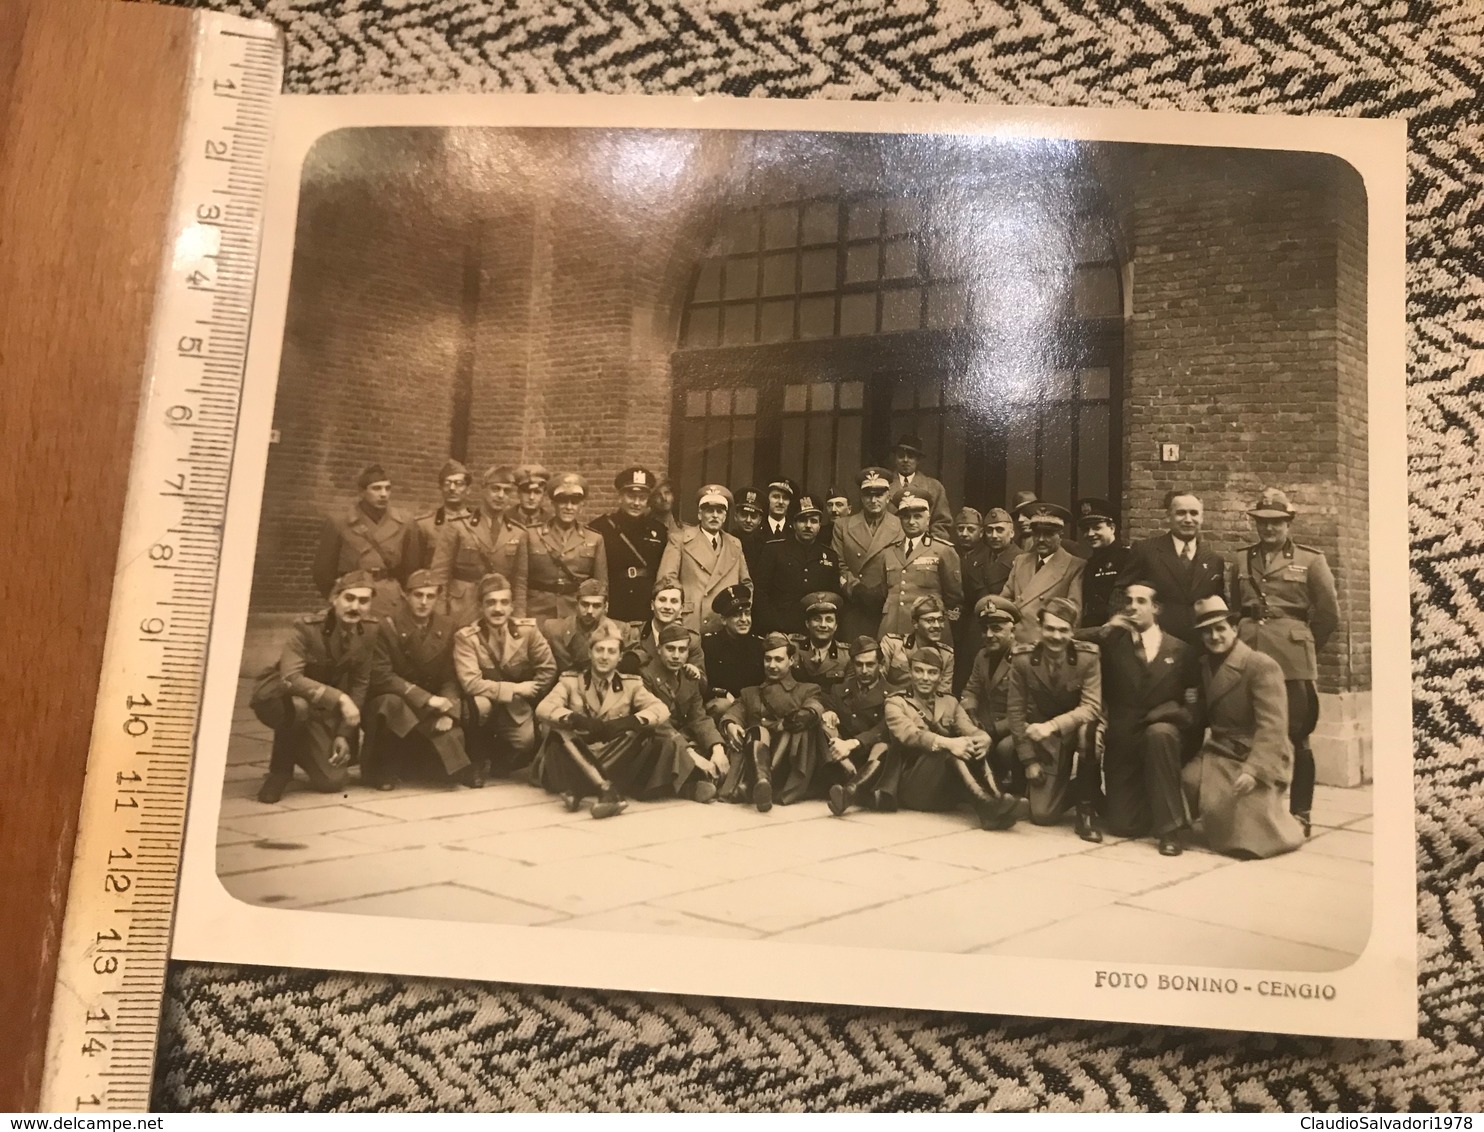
(601, 740)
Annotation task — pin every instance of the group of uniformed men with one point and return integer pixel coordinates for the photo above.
(784, 647)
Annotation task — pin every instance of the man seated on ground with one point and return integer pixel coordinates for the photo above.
(641, 643)
(700, 756)
(1055, 703)
(940, 749)
(733, 654)
(1148, 691)
(858, 742)
(1237, 785)
(986, 698)
(569, 637)
(930, 628)
(504, 667)
(601, 740)
(777, 732)
(415, 700)
(312, 698)
(823, 658)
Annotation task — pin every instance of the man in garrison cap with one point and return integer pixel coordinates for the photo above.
(561, 554)
(986, 696)
(1046, 571)
(456, 542)
(1107, 557)
(734, 654)
(793, 567)
(907, 455)
(642, 641)
(633, 541)
(930, 628)
(705, 558)
(920, 564)
(531, 507)
(941, 750)
(569, 637)
(776, 732)
(747, 522)
(504, 667)
(313, 697)
(370, 535)
(487, 544)
(1285, 595)
(976, 558)
(433, 527)
(861, 542)
(836, 507)
(415, 707)
(695, 750)
(824, 659)
(858, 735)
(1054, 705)
(999, 537)
(601, 736)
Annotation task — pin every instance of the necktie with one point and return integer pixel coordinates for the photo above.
(911, 546)
(1040, 563)
(1143, 649)
(715, 544)
(1187, 551)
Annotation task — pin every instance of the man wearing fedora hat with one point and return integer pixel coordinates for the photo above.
(861, 541)
(633, 541)
(792, 568)
(1237, 783)
(919, 565)
(370, 535)
(1046, 571)
(907, 455)
(705, 557)
(1285, 594)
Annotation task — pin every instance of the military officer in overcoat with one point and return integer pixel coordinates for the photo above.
(824, 659)
(464, 542)
(942, 751)
(313, 697)
(861, 542)
(976, 558)
(561, 554)
(777, 733)
(1109, 556)
(500, 541)
(733, 653)
(793, 568)
(1285, 594)
(930, 628)
(705, 558)
(999, 537)
(504, 667)
(372, 536)
(858, 735)
(986, 696)
(1179, 566)
(700, 756)
(918, 565)
(634, 541)
(570, 637)
(1054, 705)
(1046, 571)
(415, 709)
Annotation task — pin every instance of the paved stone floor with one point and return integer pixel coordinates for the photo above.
(510, 854)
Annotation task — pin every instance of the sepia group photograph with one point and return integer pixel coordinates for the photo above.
(929, 556)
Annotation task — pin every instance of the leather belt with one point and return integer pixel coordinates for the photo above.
(636, 572)
(562, 587)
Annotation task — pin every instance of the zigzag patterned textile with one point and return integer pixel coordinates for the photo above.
(248, 1038)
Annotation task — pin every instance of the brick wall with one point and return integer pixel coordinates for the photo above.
(1236, 352)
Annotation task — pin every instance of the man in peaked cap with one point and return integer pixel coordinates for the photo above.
(1054, 705)
(907, 455)
(776, 731)
(861, 541)
(570, 637)
(313, 697)
(747, 521)
(1025, 503)
(1179, 564)
(633, 541)
(1285, 594)
(415, 702)
(734, 654)
(986, 696)
(561, 554)
(1046, 571)
(370, 535)
(793, 567)
(823, 657)
(1107, 558)
(705, 558)
(530, 497)
(781, 495)
(918, 565)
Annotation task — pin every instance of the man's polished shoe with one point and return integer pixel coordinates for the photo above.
(1087, 827)
(996, 813)
(886, 802)
(762, 796)
(840, 799)
(272, 789)
(609, 808)
(1170, 847)
(705, 792)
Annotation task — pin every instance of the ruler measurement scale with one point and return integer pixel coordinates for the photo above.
(120, 903)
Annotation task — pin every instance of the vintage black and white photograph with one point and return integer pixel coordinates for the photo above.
(877, 553)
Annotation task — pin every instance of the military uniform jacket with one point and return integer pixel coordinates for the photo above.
(977, 563)
(641, 645)
(940, 524)
(826, 668)
(611, 697)
(491, 547)
(415, 662)
(682, 697)
(489, 662)
(322, 660)
(1031, 588)
(986, 696)
(933, 568)
(862, 710)
(767, 704)
(1067, 692)
(558, 560)
(1179, 584)
(515, 517)
(1100, 582)
(633, 548)
(703, 572)
(430, 531)
(732, 663)
(459, 545)
(571, 644)
(355, 541)
(897, 668)
(1288, 606)
(788, 571)
(914, 723)
(861, 550)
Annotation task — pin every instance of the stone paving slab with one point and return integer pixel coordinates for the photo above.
(444, 902)
(774, 902)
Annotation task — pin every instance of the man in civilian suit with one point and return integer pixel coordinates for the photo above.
(1179, 566)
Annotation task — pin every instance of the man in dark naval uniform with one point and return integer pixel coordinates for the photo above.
(1108, 558)
(734, 656)
(748, 515)
(633, 540)
(794, 568)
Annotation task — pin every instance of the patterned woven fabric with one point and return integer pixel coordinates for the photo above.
(245, 1038)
